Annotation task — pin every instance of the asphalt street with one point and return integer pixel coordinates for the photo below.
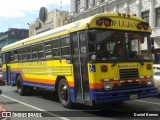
(46, 104)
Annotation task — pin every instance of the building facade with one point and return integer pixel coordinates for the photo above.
(48, 20)
(146, 9)
(11, 36)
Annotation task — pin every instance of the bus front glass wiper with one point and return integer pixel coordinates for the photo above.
(132, 54)
(114, 64)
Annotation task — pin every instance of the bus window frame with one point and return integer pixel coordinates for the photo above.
(15, 55)
(24, 53)
(29, 52)
(83, 49)
(57, 48)
(63, 47)
(47, 50)
(20, 54)
(73, 51)
(33, 59)
(40, 51)
(11, 56)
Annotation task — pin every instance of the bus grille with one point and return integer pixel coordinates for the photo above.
(130, 84)
(128, 73)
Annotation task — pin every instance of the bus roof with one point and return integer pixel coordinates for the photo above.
(76, 26)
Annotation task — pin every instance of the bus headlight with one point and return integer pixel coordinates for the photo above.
(107, 86)
(150, 83)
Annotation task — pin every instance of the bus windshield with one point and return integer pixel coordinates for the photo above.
(105, 45)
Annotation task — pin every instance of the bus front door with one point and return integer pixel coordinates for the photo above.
(80, 67)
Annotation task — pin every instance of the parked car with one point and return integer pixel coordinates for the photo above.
(156, 67)
(1, 80)
(157, 80)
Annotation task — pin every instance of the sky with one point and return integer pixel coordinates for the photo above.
(17, 13)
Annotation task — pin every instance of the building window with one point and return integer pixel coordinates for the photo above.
(12, 33)
(158, 17)
(145, 16)
(77, 6)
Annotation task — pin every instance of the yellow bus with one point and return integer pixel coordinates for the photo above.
(101, 59)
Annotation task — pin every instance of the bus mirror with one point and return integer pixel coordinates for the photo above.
(92, 35)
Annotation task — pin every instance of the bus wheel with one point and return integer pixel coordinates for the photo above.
(64, 94)
(20, 87)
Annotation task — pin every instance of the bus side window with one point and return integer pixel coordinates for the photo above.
(19, 54)
(65, 46)
(34, 52)
(11, 56)
(74, 43)
(48, 49)
(29, 53)
(24, 52)
(41, 50)
(83, 43)
(15, 55)
(56, 48)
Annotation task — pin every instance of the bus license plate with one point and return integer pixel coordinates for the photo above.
(133, 97)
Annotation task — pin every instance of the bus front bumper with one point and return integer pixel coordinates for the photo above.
(123, 95)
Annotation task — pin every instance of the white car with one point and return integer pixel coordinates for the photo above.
(156, 67)
(157, 79)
